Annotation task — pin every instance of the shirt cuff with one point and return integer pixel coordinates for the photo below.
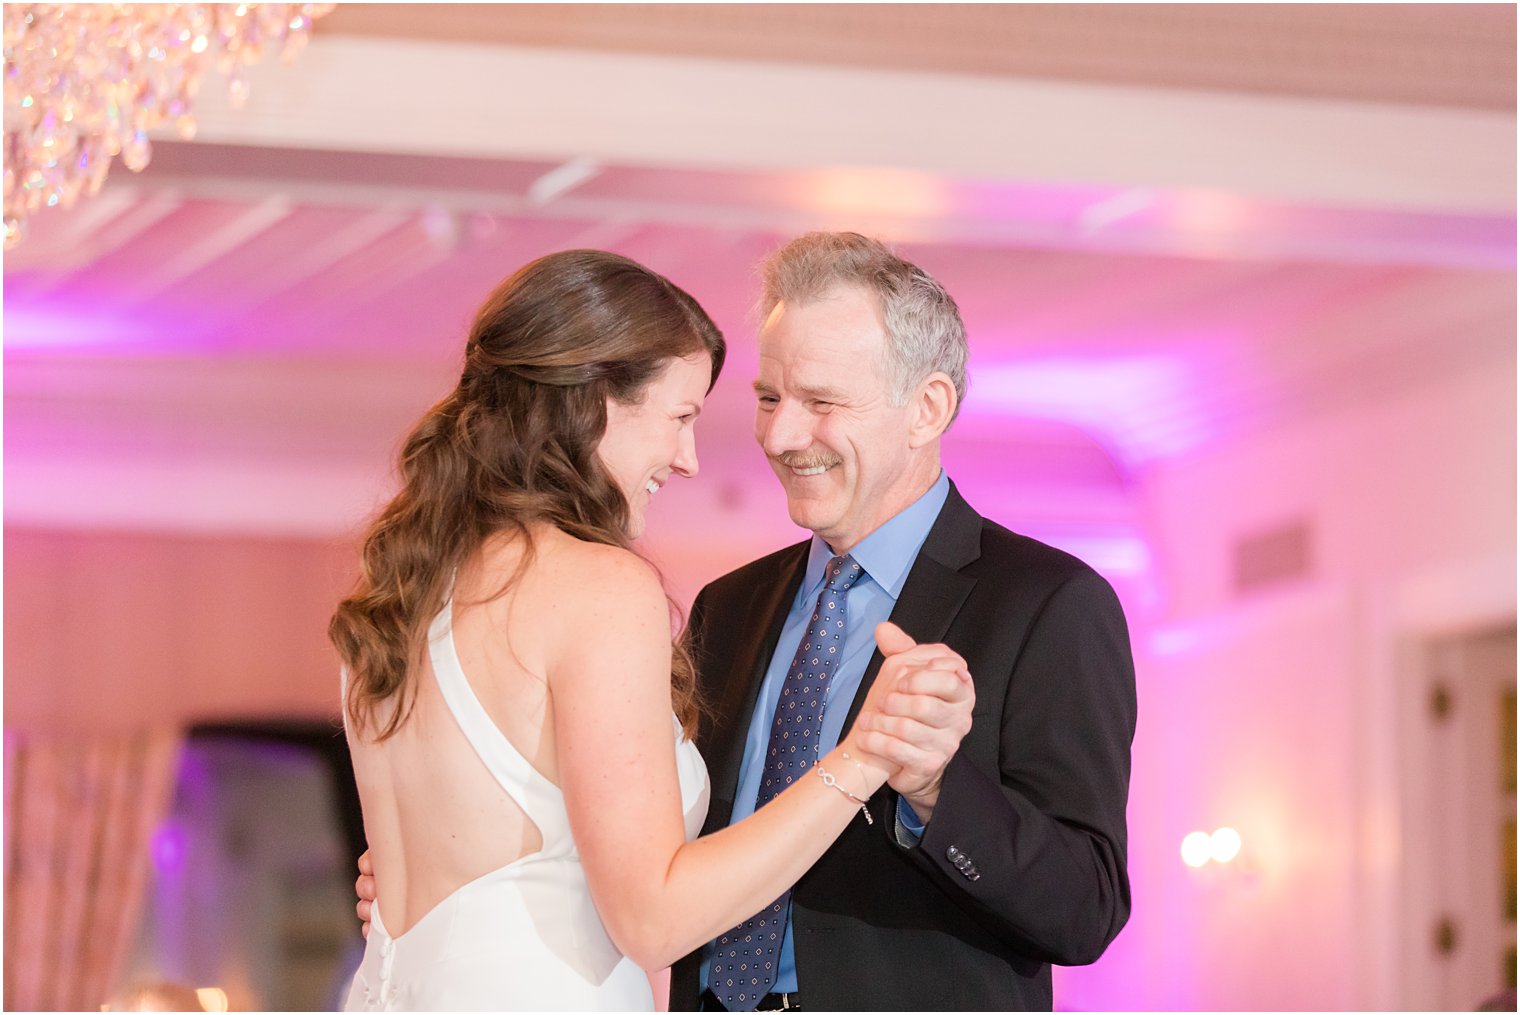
(910, 830)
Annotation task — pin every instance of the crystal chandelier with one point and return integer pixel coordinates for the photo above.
(85, 83)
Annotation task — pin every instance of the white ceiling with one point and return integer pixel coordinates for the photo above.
(237, 337)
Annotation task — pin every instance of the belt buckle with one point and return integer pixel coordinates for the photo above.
(786, 1001)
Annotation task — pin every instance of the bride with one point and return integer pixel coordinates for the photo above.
(519, 719)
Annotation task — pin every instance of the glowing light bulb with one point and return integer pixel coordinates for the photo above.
(212, 998)
(1224, 845)
(1196, 849)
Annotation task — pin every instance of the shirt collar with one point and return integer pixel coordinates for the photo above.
(887, 553)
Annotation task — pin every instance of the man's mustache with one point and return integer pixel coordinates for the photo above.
(807, 460)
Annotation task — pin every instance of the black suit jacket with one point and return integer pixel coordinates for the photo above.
(1034, 800)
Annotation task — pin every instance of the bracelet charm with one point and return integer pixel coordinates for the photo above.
(833, 783)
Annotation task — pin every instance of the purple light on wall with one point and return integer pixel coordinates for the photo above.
(58, 325)
(1117, 555)
(196, 782)
(1175, 641)
(1141, 407)
(169, 846)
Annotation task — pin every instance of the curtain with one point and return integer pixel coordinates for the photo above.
(79, 819)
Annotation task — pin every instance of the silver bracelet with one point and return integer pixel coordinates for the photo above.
(833, 783)
(858, 766)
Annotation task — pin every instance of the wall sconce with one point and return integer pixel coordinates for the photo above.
(168, 996)
(211, 998)
(1200, 848)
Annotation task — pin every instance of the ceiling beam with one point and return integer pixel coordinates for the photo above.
(383, 95)
(908, 206)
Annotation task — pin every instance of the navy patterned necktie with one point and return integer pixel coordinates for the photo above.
(745, 960)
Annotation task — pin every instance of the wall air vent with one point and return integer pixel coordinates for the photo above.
(1274, 556)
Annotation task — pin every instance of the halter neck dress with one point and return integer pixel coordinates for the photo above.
(524, 936)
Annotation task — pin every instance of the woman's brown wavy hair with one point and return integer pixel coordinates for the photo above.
(515, 443)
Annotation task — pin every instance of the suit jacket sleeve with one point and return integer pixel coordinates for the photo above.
(1035, 798)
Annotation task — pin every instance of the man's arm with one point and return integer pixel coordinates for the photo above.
(1035, 848)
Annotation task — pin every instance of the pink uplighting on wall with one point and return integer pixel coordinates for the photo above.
(1141, 407)
(168, 847)
(65, 326)
(1171, 641)
(1110, 555)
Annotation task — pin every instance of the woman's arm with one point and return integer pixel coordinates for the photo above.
(659, 895)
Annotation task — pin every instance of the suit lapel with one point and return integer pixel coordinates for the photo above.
(751, 648)
(936, 588)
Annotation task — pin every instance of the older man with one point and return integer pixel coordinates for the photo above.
(992, 856)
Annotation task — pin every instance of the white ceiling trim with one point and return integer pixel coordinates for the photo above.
(536, 103)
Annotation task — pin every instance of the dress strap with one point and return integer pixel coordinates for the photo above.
(539, 798)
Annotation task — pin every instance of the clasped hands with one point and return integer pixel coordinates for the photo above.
(910, 725)
(915, 715)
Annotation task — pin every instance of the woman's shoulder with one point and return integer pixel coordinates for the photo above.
(591, 573)
(595, 602)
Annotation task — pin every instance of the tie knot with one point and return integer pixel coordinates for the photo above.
(841, 573)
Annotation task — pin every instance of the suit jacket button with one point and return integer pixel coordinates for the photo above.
(975, 875)
(952, 853)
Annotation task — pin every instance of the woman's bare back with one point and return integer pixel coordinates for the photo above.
(435, 817)
(483, 899)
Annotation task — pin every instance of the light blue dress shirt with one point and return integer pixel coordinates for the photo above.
(887, 555)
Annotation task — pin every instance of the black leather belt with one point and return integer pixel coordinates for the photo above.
(770, 1002)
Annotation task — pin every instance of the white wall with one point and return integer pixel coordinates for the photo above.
(1277, 713)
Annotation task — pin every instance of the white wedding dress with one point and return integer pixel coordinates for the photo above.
(525, 936)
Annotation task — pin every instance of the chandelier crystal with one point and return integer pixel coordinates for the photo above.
(85, 83)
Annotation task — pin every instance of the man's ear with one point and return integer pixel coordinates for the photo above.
(933, 408)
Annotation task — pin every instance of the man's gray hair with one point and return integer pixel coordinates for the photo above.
(924, 329)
